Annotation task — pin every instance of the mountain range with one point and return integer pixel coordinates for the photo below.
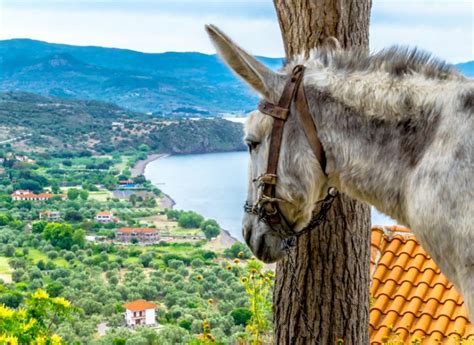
(164, 83)
(158, 83)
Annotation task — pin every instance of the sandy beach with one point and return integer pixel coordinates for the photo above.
(140, 166)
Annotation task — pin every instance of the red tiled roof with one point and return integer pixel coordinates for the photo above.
(28, 194)
(138, 305)
(105, 213)
(132, 230)
(411, 298)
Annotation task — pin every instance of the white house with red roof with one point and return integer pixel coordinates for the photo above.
(104, 217)
(24, 194)
(140, 312)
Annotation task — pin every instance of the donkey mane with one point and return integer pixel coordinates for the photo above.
(397, 61)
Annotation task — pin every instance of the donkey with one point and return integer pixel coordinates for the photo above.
(397, 132)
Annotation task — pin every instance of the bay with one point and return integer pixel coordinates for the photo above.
(213, 185)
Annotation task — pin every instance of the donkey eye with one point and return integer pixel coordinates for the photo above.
(252, 145)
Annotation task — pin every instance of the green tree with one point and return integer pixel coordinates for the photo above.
(55, 188)
(241, 316)
(210, 228)
(72, 193)
(190, 219)
(84, 194)
(73, 216)
(238, 249)
(63, 235)
(9, 250)
(38, 227)
(144, 148)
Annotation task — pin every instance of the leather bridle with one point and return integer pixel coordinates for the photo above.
(266, 207)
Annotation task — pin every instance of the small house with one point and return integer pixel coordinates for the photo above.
(104, 217)
(142, 235)
(140, 312)
(50, 215)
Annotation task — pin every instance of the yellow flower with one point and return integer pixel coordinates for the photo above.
(62, 301)
(199, 278)
(266, 280)
(28, 325)
(243, 279)
(56, 340)
(8, 340)
(40, 294)
(210, 301)
(236, 261)
(253, 271)
(40, 340)
(229, 268)
(6, 312)
(21, 313)
(240, 255)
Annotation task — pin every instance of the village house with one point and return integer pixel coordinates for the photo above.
(23, 194)
(104, 217)
(140, 312)
(50, 215)
(142, 235)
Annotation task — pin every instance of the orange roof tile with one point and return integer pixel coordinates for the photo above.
(132, 230)
(138, 305)
(104, 213)
(411, 298)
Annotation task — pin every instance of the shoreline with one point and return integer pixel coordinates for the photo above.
(225, 237)
(140, 166)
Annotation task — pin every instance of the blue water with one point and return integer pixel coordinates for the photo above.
(213, 185)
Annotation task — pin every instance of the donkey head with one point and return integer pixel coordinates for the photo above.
(300, 180)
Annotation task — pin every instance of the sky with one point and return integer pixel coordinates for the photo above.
(443, 27)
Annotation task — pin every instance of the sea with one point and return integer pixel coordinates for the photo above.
(213, 185)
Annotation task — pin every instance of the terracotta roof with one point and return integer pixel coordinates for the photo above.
(141, 230)
(139, 304)
(28, 194)
(411, 298)
(105, 213)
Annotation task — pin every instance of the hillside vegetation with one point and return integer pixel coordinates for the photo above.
(58, 124)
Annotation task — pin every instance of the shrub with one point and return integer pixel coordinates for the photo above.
(241, 316)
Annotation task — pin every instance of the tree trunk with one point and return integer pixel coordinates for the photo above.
(333, 262)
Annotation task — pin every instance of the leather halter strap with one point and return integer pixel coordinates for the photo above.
(293, 91)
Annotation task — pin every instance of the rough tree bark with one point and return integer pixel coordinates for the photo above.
(332, 263)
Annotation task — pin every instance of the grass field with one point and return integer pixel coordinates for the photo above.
(35, 255)
(5, 270)
(101, 195)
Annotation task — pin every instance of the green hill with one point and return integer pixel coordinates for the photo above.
(56, 124)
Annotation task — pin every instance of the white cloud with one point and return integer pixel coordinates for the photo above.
(139, 31)
(453, 44)
(441, 26)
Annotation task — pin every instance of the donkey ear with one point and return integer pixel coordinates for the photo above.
(262, 79)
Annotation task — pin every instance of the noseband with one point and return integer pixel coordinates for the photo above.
(266, 207)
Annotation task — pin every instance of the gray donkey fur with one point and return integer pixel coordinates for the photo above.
(397, 128)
